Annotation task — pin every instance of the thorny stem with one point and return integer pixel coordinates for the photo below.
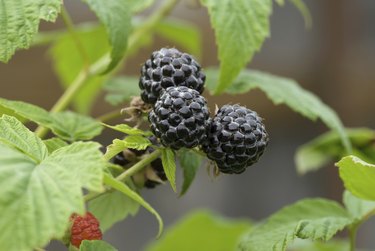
(101, 63)
(128, 173)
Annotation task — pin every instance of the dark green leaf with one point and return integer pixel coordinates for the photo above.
(315, 219)
(54, 143)
(123, 188)
(96, 245)
(201, 230)
(19, 22)
(169, 165)
(240, 29)
(285, 91)
(327, 148)
(190, 162)
(121, 89)
(358, 177)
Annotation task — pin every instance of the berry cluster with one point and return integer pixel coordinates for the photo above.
(173, 82)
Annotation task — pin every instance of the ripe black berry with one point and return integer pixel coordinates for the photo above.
(236, 139)
(167, 68)
(180, 118)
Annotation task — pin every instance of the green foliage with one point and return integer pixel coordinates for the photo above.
(54, 143)
(284, 91)
(327, 148)
(67, 125)
(123, 188)
(315, 219)
(169, 165)
(116, 17)
(39, 191)
(121, 89)
(240, 29)
(306, 245)
(189, 162)
(124, 128)
(358, 208)
(202, 231)
(68, 62)
(112, 207)
(358, 177)
(132, 141)
(19, 21)
(96, 246)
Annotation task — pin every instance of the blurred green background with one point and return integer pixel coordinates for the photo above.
(335, 59)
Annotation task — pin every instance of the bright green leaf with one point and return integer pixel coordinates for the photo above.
(128, 130)
(19, 22)
(96, 245)
(123, 188)
(201, 230)
(54, 143)
(327, 148)
(73, 126)
(116, 17)
(67, 63)
(285, 91)
(190, 162)
(112, 207)
(315, 219)
(358, 177)
(133, 141)
(240, 29)
(121, 89)
(169, 165)
(301, 6)
(37, 199)
(181, 33)
(13, 133)
(357, 207)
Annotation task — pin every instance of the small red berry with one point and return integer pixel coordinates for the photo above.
(84, 228)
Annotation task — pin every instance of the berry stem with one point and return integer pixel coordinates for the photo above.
(99, 66)
(127, 173)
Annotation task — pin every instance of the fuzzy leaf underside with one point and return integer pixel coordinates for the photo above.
(19, 22)
(315, 219)
(240, 29)
(284, 91)
(38, 192)
(358, 177)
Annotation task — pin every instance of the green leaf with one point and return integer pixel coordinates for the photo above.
(121, 89)
(285, 91)
(72, 126)
(301, 6)
(201, 230)
(190, 162)
(19, 22)
(14, 134)
(169, 165)
(67, 63)
(182, 33)
(37, 198)
(124, 128)
(358, 177)
(332, 245)
(140, 5)
(133, 141)
(119, 186)
(26, 110)
(315, 219)
(327, 147)
(96, 245)
(112, 207)
(240, 29)
(358, 208)
(116, 17)
(54, 143)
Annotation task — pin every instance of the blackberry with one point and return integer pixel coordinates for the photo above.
(236, 139)
(167, 68)
(180, 118)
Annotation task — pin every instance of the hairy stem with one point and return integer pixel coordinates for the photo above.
(109, 116)
(102, 63)
(128, 173)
